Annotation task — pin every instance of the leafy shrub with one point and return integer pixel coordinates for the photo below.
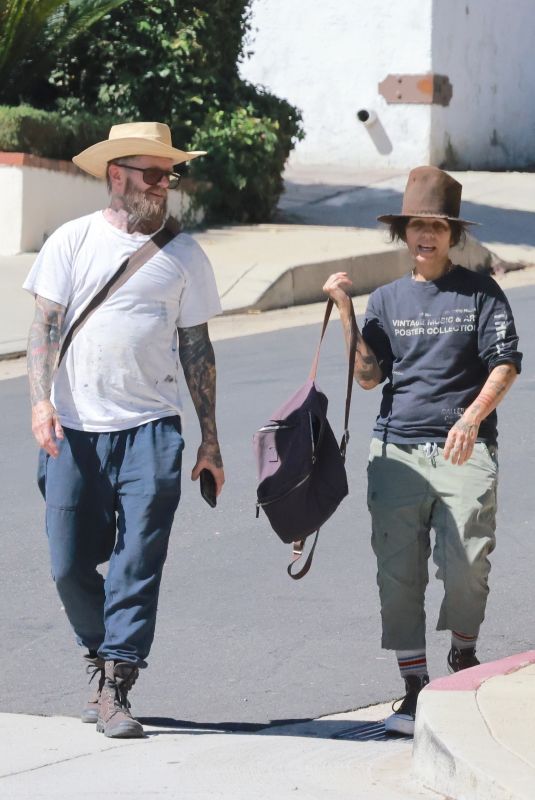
(246, 156)
(177, 61)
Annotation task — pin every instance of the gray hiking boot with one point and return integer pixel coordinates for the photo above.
(95, 669)
(114, 717)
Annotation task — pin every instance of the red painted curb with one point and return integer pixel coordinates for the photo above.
(469, 680)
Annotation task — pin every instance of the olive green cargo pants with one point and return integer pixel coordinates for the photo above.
(411, 489)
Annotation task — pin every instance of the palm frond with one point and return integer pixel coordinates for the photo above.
(43, 27)
(77, 17)
(21, 22)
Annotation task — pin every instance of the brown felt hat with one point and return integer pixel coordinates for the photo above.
(430, 192)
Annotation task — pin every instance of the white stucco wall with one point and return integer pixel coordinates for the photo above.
(40, 200)
(51, 198)
(11, 183)
(486, 48)
(327, 58)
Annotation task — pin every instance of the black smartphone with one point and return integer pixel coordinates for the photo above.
(208, 487)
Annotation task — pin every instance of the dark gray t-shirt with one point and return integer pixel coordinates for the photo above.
(437, 341)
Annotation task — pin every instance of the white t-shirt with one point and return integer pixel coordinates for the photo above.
(121, 369)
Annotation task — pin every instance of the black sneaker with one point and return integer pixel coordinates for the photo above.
(402, 720)
(464, 658)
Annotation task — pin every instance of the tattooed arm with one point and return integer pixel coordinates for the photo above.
(367, 372)
(463, 434)
(43, 345)
(198, 362)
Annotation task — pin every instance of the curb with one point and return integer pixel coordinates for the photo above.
(463, 751)
(302, 284)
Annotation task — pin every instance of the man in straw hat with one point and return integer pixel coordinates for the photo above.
(108, 418)
(443, 338)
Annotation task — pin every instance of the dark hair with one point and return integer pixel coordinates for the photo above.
(398, 227)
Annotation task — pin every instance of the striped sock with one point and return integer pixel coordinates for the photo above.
(412, 662)
(463, 640)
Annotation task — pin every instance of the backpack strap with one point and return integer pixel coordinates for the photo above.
(351, 364)
(297, 552)
(128, 268)
(298, 546)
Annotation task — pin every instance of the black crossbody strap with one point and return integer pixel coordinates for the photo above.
(128, 268)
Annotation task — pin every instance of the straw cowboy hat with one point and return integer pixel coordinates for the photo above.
(132, 139)
(430, 192)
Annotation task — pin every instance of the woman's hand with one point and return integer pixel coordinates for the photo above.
(336, 287)
(461, 439)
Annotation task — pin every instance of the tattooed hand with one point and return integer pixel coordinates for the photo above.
(46, 427)
(209, 457)
(461, 439)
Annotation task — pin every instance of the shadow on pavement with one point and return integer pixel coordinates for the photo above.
(349, 730)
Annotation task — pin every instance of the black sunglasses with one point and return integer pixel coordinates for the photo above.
(153, 175)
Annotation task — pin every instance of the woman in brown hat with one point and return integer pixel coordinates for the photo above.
(443, 341)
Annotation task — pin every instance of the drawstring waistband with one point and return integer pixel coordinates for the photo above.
(431, 452)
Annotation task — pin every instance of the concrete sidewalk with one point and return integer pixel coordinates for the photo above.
(474, 741)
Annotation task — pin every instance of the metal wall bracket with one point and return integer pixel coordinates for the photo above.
(427, 89)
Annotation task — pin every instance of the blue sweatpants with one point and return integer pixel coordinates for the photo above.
(112, 496)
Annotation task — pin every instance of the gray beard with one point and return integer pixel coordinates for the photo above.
(144, 212)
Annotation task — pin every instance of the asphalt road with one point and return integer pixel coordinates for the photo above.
(238, 642)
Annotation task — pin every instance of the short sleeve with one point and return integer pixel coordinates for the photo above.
(375, 336)
(199, 300)
(51, 273)
(497, 336)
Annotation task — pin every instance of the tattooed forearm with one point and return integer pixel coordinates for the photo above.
(462, 436)
(366, 367)
(43, 345)
(494, 389)
(367, 371)
(198, 362)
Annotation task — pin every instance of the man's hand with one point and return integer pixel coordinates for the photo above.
(209, 457)
(461, 439)
(46, 427)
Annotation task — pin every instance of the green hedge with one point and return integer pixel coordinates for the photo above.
(48, 134)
